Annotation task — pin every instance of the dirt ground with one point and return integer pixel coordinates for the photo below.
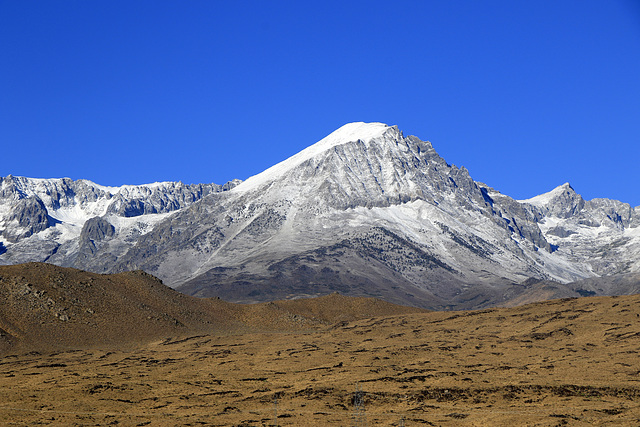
(565, 362)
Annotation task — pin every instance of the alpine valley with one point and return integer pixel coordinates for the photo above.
(365, 211)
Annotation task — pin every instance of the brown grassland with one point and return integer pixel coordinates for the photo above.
(299, 363)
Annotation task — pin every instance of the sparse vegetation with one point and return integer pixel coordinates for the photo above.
(571, 361)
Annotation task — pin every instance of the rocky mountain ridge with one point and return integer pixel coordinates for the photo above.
(62, 218)
(365, 211)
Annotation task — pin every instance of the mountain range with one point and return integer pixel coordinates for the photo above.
(365, 211)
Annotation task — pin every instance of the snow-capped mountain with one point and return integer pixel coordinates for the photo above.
(601, 234)
(64, 221)
(364, 211)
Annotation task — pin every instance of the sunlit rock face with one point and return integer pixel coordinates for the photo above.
(364, 211)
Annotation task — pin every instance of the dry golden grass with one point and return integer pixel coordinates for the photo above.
(563, 362)
(46, 307)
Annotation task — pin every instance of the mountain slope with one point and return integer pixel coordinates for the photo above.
(604, 233)
(567, 362)
(43, 306)
(82, 224)
(364, 211)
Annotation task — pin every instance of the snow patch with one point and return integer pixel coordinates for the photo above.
(347, 133)
(544, 199)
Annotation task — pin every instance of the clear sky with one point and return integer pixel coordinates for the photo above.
(527, 95)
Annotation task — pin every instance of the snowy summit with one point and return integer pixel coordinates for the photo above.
(546, 198)
(348, 133)
(364, 211)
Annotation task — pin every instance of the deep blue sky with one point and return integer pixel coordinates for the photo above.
(526, 94)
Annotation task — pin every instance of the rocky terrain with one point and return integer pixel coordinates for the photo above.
(366, 211)
(69, 222)
(323, 361)
(46, 307)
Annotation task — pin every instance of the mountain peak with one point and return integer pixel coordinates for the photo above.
(357, 131)
(353, 132)
(561, 202)
(546, 198)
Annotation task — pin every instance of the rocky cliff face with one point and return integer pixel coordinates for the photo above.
(365, 211)
(601, 234)
(27, 217)
(67, 222)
